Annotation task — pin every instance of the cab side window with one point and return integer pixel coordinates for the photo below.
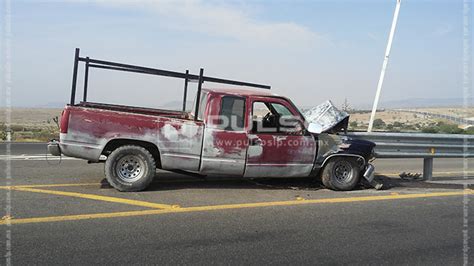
(263, 119)
(271, 117)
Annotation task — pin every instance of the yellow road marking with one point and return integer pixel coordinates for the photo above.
(231, 206)
(95, 197)
(52, 185)
(79, 217)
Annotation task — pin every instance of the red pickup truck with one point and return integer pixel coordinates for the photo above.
(233, 132)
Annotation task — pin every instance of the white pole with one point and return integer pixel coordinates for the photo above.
(384, 66)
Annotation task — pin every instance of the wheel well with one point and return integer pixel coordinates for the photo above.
(115, 143)
(359, 158)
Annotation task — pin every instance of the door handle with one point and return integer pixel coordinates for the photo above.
(255, 142)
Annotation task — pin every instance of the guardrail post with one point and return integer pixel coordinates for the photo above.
(428, 168)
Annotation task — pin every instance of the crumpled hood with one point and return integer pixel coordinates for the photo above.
(331, 119)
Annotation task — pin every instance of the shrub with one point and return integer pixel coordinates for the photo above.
(379, 123)
(450, 129)
(430, 130)
(397, 124)
(469, 130)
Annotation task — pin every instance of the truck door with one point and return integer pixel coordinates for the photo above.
(278, 144)
(225, 138)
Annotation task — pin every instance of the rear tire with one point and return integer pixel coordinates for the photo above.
(130, 168)
(341, 173)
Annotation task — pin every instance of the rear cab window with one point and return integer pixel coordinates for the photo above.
(232, 113)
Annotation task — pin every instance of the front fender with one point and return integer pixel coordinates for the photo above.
(359, 158)
(332, 144)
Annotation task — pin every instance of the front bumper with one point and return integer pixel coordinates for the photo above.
(53, 148)
(369, 172)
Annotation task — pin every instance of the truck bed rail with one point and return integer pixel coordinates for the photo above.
(96, 63)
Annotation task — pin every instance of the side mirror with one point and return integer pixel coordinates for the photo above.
(315, 128)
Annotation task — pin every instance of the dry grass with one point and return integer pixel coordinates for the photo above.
(31, 117)
(389, 117)
(32, 124)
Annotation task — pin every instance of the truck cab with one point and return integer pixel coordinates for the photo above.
(246, 134)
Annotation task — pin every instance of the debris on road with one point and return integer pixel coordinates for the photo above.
(410, 176)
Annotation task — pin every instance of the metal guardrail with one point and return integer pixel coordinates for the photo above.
(419, 145)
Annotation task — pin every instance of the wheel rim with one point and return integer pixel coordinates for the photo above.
(130, 168)
(343, 172)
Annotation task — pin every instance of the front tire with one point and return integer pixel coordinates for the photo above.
(130, 168)
(341, 173)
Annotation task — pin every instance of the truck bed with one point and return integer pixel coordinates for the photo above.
(138, 110)
(87, 128)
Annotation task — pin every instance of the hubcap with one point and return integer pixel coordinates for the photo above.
(130, 168)
(343, 171)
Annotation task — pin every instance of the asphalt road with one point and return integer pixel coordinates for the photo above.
(443, 167)
(24, 148)
(63, 214)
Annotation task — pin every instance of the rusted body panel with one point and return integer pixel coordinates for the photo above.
(90, 129)
(279, 154)
(224, 152)
(179, 143)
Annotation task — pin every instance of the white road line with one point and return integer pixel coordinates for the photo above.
(34, 157)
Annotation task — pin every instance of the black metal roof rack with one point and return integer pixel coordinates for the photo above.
(95, 63)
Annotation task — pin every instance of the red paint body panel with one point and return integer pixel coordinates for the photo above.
(63, 126)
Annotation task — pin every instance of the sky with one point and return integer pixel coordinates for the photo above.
(309, 51)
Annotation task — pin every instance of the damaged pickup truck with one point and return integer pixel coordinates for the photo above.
(233, 132)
